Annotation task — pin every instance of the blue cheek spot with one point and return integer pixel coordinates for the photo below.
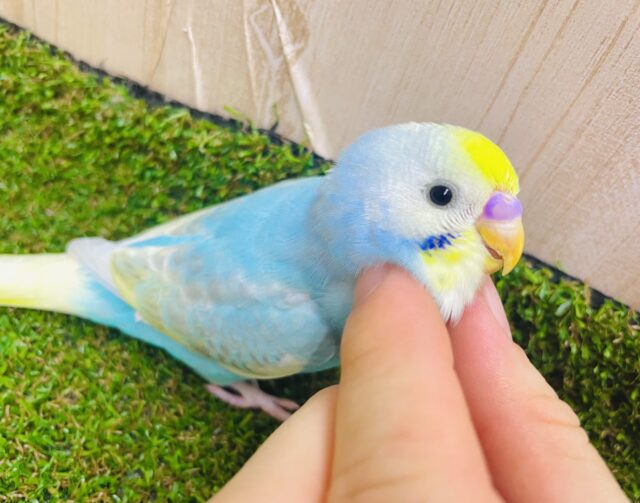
(428, 244)
(440, 242)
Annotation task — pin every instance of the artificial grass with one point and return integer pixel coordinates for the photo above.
(87, 414)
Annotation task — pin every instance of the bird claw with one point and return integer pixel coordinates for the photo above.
(250, 396)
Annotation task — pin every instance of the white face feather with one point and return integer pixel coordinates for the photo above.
(390, 172)
(402, 166)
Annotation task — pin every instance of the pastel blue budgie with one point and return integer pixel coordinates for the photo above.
(260, 287)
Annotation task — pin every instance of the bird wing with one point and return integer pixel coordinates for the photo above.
(227, 283)
(255, 323)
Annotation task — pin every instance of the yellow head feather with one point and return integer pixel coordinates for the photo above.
(490, 160)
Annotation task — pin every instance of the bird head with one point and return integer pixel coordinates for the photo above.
(440, 200)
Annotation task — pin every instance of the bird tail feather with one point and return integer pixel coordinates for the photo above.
(50, 282)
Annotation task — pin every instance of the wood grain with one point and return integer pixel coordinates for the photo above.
(556, 83)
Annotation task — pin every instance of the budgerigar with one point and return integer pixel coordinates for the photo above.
(259, 287)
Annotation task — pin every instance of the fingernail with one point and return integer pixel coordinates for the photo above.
(491, 297)
(368, 281)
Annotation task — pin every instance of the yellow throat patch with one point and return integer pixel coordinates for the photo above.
(443, 263)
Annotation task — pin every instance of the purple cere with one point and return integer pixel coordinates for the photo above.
(501, 206)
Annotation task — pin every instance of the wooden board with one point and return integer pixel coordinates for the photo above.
(557, 84)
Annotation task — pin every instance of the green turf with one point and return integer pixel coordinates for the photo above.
(87, 414)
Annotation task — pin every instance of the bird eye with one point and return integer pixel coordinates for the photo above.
(440, 195)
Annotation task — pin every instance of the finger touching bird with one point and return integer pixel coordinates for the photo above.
(259, 287)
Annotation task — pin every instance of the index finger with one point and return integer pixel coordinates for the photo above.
(403, 430)
(532, 440)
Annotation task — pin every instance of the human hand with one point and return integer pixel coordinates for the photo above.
(426, 412)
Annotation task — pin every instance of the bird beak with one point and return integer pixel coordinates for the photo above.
(500, 227)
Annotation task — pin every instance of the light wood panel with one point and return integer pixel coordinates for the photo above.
(556, 83)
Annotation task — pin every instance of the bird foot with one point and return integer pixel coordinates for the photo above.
(250, 396)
